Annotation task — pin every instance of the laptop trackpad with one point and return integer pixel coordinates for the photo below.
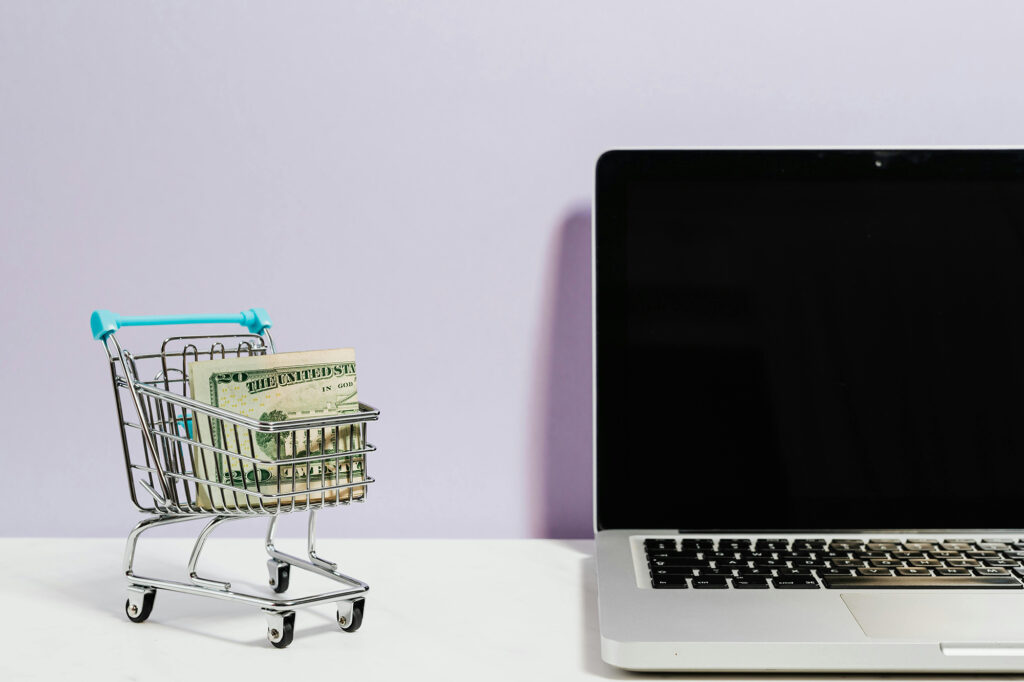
(939, 617)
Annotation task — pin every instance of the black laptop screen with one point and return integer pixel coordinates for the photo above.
(803, 340)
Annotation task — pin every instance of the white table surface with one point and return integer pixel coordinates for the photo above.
(437, 610)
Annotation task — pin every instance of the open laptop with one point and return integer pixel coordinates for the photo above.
(809, 415)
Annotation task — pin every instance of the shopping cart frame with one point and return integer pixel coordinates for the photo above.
(165, 464)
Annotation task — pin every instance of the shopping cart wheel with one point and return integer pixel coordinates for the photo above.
(280, 572)
(350, 616)
(139, 604)
(282, 629)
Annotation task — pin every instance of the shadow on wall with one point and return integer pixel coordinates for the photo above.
(565, 452)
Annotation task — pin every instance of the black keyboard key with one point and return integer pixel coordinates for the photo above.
(884, 546)
(962, 563)
(912, 571)
(808, 563)
(858, 582)
(752, 572)
(847, 563)
(945, 554)
(764, 563)
(731, 549)
(871, 555)
(795, 582)
(885, 563)
(951, 546)
(918, 546)
(653, 543)
(690, 543)
(953, 571)
(674, 570)
(667, 584)
(836, 571)
(727, 572)
(667, 556)
(730, 563)
(991, 570)
(1005, 563)
(733, 544)
(710, 583)
(672, 554)
(750, 583)
(983, 554)
(846, 547)
(993, 546)
(925, 563)
(903, 556)
(678, 563)
(873, 571)
(794, 571)
(1019, 571)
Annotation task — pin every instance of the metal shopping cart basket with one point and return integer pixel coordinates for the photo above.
(168, 476)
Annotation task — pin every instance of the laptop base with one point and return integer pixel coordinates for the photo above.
(817, 630)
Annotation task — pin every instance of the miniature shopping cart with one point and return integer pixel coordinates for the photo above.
(169, 477)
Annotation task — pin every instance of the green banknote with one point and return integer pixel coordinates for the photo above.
(277, 387)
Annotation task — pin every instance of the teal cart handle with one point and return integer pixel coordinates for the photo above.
(104, 323)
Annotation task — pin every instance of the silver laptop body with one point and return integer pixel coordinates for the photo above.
(797, 354)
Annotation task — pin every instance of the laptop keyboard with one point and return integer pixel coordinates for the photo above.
(746, 564)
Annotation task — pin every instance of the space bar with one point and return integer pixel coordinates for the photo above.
(873, 582)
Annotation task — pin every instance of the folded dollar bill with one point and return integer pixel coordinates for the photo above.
(277, 387)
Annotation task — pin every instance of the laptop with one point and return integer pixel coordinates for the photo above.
(809, 412)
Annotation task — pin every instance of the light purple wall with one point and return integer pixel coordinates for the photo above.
(412, 179)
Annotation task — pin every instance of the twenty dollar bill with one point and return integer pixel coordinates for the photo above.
(270, 388)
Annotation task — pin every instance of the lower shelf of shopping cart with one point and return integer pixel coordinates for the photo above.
(278, 611)
(280, 614)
